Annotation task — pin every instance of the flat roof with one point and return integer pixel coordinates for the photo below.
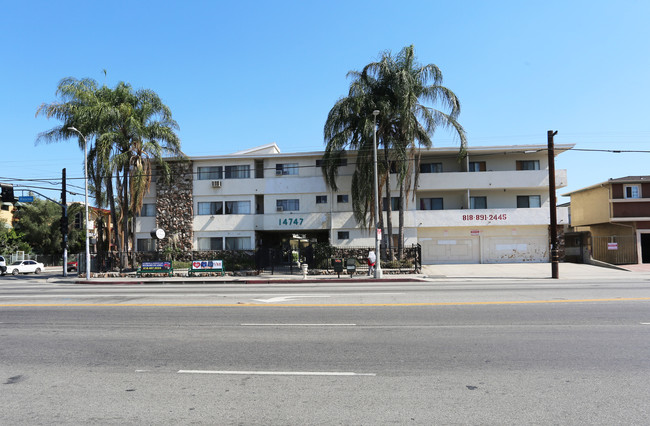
(263, 151)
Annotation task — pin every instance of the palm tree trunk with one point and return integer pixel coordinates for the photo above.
(125, 216)
(111, 204)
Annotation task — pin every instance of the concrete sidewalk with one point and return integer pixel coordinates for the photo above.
(431, 273)
(535, 271)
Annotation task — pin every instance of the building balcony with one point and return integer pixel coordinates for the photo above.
(514, 179)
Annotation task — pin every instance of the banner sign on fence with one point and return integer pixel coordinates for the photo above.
(155, 266)
(612, 246)
(208, 264)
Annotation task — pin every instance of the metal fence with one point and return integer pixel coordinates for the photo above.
(614, 249)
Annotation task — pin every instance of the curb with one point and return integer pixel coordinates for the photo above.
(154, 281)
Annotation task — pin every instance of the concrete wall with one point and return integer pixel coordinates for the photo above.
(480, 244)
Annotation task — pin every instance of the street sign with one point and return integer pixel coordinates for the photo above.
(26, 199)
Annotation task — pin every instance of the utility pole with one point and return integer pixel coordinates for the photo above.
(555, 255)
(64, 224)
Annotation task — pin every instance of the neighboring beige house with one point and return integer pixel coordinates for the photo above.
(616, 213)
(493, 207)
(6, 213)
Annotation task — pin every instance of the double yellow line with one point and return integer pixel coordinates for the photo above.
(308, 305)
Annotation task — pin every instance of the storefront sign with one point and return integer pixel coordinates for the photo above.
(475, 232)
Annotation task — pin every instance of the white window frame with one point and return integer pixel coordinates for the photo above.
(209, 172)
(148, 210)
(425, 200)
(237, 207)
(472, 202)
(202, 246)
(287, 169)
(238, 243)
(635, 191)
(529, 198)
(212, 208)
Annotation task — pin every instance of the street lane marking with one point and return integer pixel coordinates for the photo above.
(308, 305)
(284, 298)
(298, 325)
(276, 373)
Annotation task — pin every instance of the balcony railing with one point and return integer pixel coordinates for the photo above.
(518, 179)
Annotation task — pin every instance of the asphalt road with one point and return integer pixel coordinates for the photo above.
(430, 353)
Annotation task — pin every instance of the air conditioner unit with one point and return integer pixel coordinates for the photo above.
(280, 208)
(216, 184)
(278, 172)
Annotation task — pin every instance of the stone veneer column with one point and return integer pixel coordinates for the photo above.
(175, 207)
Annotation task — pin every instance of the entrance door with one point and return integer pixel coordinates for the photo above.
(645, 248)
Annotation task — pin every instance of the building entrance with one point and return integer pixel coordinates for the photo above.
(645, 248)
(283, 250)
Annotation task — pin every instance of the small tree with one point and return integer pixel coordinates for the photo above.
(10, 240)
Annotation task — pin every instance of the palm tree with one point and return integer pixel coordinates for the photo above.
(399, 87)
(132, 130)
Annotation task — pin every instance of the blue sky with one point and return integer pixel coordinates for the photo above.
(242, 74)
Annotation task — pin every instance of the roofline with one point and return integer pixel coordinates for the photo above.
(608, 182)
(477, 150)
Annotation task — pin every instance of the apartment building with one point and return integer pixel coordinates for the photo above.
(616, 214)
(491, 207)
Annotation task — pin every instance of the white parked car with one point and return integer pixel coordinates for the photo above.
(3, 266)
(25, 267)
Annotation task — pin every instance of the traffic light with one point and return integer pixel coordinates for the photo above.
(78, 221)
(64, 225)
(7, 193)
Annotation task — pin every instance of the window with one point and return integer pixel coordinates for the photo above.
(631, 191)
(238, 243)
(321, 199)
(286, 169)
(238, 207)
(394, 204)
(478, 202)
(288, 205)
(208, 173)
(477, 166)
(342, 162)
(210, 208)
(146, 244)
(211, 243)
(238, 172)
(431, 168)
(431, 204)
(343, 198)
(148, 210)
(527, 201)
(527, 164)
(343, 235)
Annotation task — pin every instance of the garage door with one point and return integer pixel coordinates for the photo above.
(515, 249)
(458, 250)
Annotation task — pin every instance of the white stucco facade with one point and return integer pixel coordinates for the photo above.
(244, 198)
